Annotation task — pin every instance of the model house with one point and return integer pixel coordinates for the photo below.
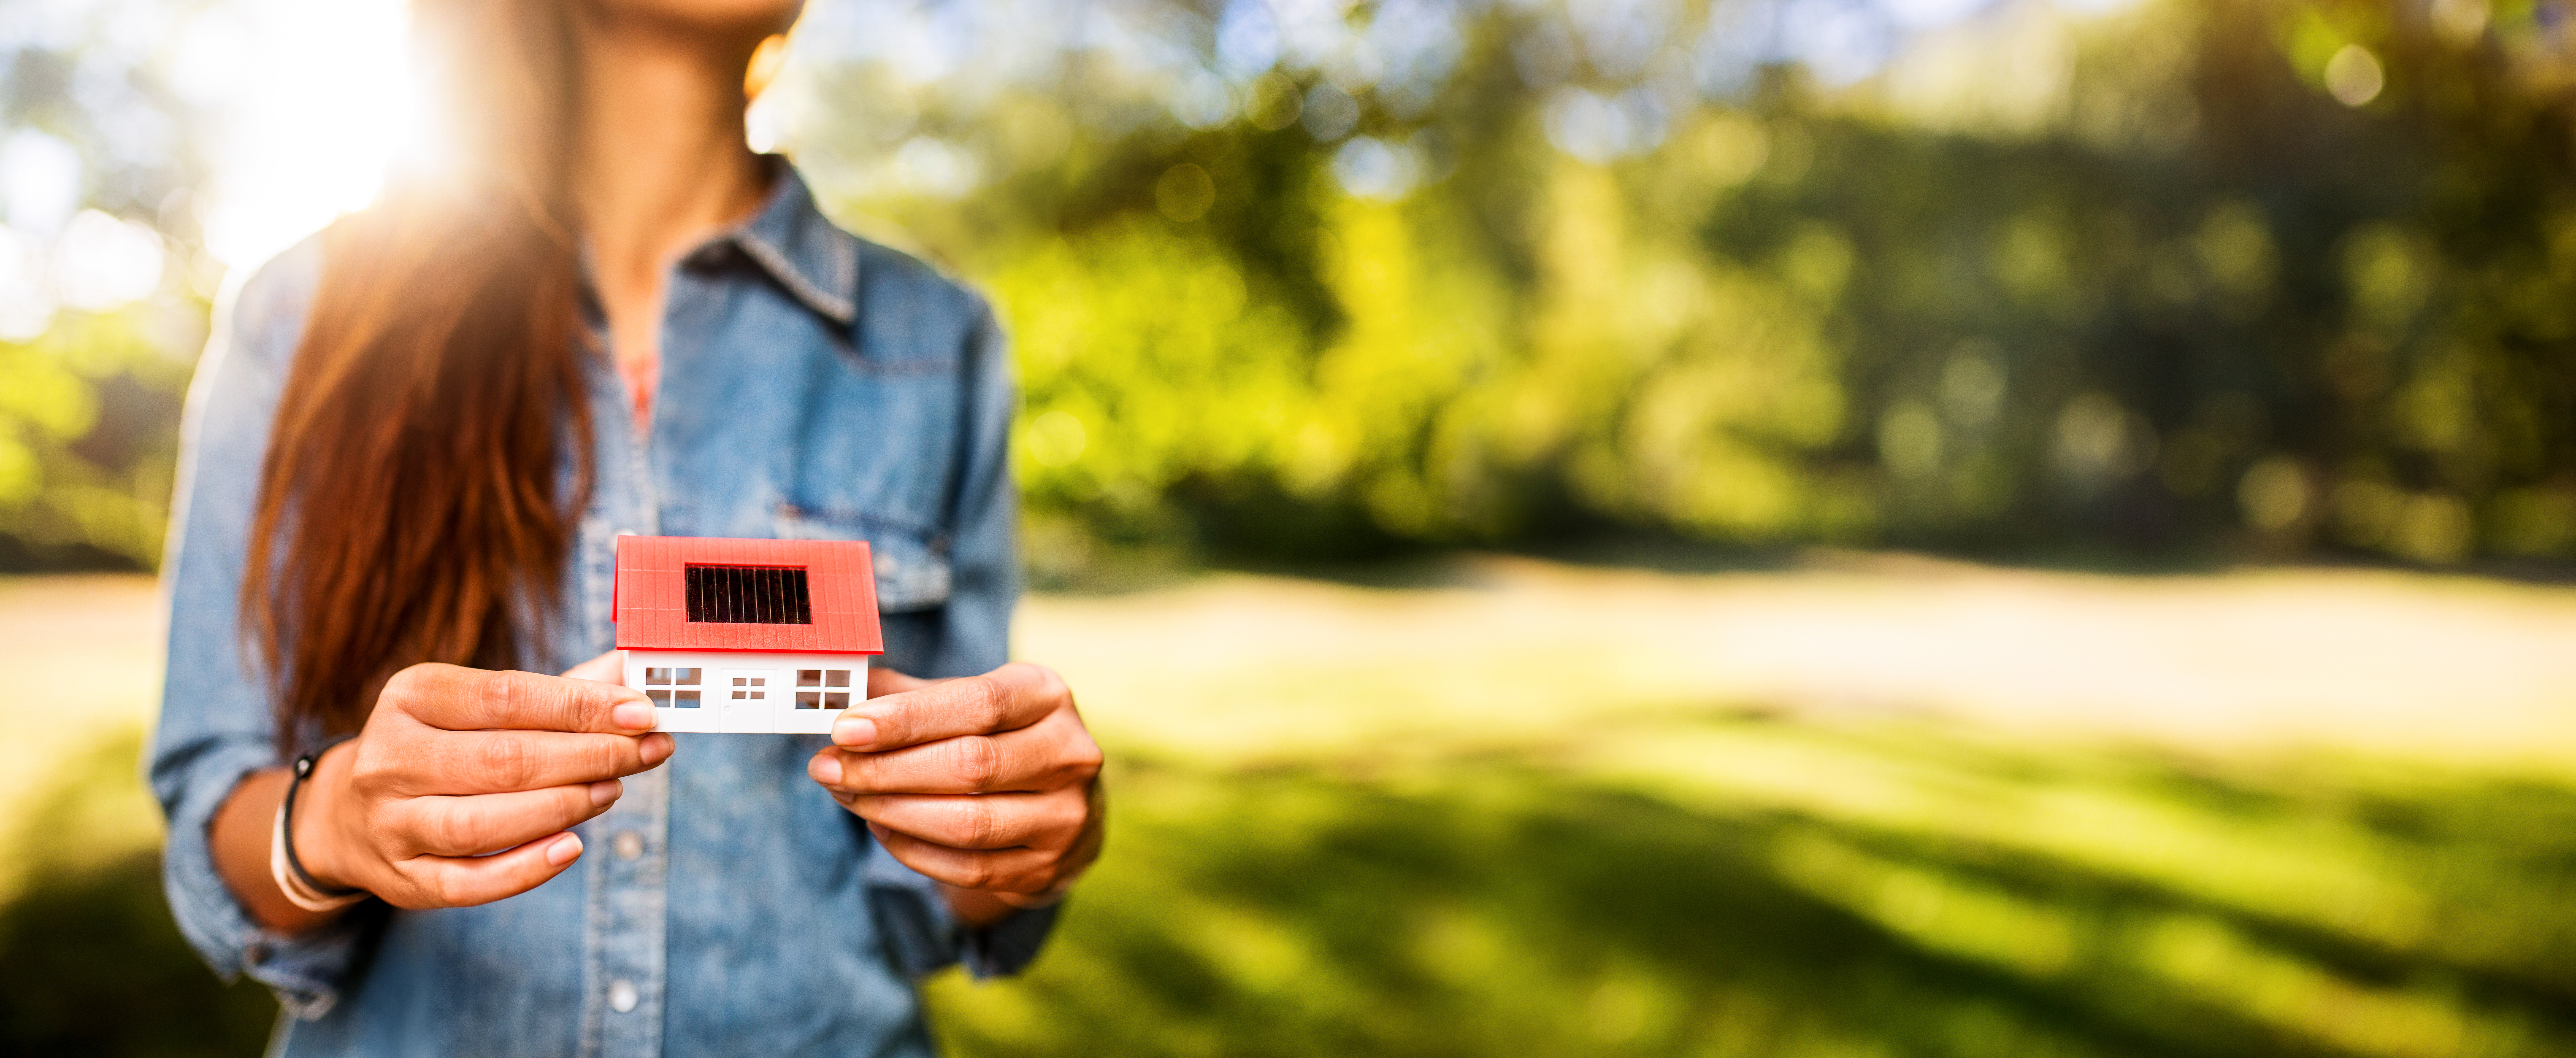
(746, 636)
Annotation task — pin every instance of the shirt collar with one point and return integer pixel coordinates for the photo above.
(791, 239)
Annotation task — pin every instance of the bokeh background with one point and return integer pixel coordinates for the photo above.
(1765, 527)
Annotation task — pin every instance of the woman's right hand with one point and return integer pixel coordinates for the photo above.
(456, 765)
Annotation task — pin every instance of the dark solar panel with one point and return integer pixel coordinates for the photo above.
(749, 595)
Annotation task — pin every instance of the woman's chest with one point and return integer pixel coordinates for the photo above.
(768, 422)
(763, 407)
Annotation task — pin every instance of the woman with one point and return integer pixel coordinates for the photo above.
(409, 452)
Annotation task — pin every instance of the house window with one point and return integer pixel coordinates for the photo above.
(741, 693)
(671, 688)
(822, 699)
(818, 697)
(754, 595)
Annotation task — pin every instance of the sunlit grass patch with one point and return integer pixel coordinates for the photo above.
(1734, 885)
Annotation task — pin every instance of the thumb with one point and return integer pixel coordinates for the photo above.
(606, 668)
(884, 681)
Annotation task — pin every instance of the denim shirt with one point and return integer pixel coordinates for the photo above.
(813, 386)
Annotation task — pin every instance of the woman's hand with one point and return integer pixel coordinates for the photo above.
(456, 765)
(988, 783)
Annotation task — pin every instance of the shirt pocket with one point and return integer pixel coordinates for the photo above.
(912, 567)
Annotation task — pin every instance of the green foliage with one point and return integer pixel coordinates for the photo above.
(90, 385)
(2186, 276)
(2154, 283)
(89, 439)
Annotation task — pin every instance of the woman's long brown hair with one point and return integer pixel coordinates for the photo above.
(416, 503)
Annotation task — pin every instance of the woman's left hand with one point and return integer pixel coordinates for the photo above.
(988, 783)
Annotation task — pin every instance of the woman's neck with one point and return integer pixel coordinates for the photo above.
(659, 164)
(660, 161)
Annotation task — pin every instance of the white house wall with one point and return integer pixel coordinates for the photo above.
(719, 713)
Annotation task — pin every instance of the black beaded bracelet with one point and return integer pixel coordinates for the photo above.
(286, 830)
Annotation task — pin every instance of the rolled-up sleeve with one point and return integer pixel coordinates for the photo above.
(974, 638)
(923, 936)
(215, 723)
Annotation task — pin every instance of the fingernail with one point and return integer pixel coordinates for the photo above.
(564, 849)
(826, 769)
(854, 731)
(605, 791)
(634, 716)
(879, 830)
(656, 749)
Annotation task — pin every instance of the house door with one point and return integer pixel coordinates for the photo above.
(750, 697)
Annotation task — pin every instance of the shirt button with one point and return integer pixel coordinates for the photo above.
(628, 844)
(621, 995)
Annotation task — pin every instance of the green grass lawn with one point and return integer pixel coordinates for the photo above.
(1318, 848)
(90, 962)
(1889, 888)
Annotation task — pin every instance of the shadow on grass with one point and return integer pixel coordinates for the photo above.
(90, 964)
(1507, 910)
(1522, 905)
(90, 961)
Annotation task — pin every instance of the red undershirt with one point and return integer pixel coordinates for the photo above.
(642, 375)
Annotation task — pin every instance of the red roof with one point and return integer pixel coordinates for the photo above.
(651, 604)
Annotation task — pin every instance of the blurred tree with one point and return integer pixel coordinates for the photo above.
(1296, 278)
(102, 292)
(2272, 276)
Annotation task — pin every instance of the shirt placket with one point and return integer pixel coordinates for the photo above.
(627, 848)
